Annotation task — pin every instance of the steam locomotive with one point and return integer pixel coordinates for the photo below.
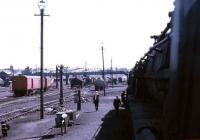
(168, 76)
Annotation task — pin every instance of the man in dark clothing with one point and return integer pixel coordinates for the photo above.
(123, 97)
(116, 104)
(4, 128)
(126, 101)
(96, 100)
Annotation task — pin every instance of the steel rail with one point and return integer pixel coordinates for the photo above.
(20, 112)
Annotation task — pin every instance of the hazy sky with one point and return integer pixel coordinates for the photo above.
(75, 29)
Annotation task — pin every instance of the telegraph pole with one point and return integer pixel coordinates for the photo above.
(41, 67)
(102, 49)
(111, 73)
(85, 74)
(85, 66)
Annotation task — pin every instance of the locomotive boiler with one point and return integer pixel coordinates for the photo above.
(99, 84)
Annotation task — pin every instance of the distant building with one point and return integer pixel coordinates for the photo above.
(4, 75)
(1, 82)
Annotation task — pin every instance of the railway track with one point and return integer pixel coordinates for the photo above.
(20, 107)
(25, 101)
(28, 109)
(23, 106)
(28, 103)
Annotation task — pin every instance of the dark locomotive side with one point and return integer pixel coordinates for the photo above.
(168, 76)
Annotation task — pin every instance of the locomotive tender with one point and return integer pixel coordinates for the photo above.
(25, 85)
(76, 83)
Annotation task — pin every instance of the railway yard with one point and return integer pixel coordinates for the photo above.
(11, 107)
(158, 99)
(13, 110)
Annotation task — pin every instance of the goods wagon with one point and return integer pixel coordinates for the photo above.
(25, 85)
(48, 82)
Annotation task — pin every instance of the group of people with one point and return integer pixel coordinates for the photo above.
(116, 101)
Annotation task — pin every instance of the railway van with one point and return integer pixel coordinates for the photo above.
(26, 85)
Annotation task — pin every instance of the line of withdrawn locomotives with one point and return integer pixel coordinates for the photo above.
(168, 75)
(27, 85)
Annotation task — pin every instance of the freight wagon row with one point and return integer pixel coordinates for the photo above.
(25, 85)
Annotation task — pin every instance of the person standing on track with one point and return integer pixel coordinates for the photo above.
(96, 100)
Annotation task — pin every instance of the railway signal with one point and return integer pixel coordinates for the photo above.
(111, 73)
(61, 86)
(56, 76)
(67, 78)
(79, 100)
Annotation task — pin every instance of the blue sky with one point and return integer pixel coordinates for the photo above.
(75, 29)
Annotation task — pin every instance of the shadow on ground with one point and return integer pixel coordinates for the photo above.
(116, 127)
